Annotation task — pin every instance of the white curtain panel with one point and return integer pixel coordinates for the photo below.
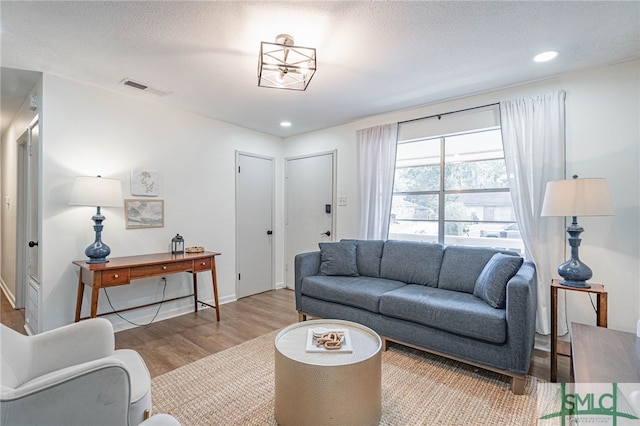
(533, 133)
(376, 168)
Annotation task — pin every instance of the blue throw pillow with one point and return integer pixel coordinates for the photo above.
(338, 259)
(491, 285)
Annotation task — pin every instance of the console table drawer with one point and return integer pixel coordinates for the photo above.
(202, 264)
(115, 277)
(168, 268)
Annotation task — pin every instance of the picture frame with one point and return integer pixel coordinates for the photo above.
(145, 183)
(144, 213)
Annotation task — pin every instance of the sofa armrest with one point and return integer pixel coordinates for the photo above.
(522, 301)
(76, 343)
(97, 392)
(306, 265)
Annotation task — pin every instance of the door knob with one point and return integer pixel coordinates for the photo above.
(33, 243)
(269, 232)
(328, 233)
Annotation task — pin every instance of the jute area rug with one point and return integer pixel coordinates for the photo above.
(236, 387)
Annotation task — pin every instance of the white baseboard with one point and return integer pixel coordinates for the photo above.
(143, 316)
(542, 342)
(10, 297)
(280, 285)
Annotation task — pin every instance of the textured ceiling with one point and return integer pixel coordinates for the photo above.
(373, 57)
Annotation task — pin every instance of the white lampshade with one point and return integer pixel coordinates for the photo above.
(577, 197)
(96, 191)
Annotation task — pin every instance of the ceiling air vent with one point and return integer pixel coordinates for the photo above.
(143, 87)
(135, 85)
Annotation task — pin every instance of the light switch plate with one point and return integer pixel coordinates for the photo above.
(342, 200)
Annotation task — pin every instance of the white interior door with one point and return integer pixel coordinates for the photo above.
(254, 224)
(28, 282)
(310, 206)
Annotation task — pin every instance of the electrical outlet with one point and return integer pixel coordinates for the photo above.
(342, 200)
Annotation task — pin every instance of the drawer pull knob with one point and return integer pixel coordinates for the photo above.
(115, 275)
(164, 268)
(203, 264)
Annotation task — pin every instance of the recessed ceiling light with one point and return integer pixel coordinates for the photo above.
(285, 123)
(545, 56)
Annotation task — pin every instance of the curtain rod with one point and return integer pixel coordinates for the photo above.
(439, 116)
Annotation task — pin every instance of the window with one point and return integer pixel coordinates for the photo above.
(452, 189)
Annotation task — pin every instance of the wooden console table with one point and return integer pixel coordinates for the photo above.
(564, 348)
(122, 270)
(602, 355)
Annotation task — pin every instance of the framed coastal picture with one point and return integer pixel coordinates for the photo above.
(144, 213)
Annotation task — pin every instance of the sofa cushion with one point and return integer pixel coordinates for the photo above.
(360, 292)
(462, 265)
(338, 259)
(368, 255)
(491, 285)
(411, 262)
(451, 311)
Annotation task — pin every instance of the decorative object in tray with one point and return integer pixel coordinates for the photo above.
(321, 339)
(195, 249)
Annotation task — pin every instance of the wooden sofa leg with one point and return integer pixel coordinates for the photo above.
(517, 385)
(301, 316)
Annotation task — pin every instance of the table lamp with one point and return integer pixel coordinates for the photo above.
(576, 197)
(96, 192)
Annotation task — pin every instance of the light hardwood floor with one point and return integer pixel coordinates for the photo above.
(169, 344)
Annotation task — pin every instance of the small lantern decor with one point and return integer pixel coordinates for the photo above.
(177, 244)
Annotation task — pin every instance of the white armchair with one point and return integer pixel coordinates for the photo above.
(72, 376)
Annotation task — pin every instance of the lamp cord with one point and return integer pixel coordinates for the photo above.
(593, 304)
(164, 289)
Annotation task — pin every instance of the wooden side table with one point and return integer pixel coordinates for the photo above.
(561, 347)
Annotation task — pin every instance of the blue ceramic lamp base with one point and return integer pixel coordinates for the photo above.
(574, 271)
(98, 251)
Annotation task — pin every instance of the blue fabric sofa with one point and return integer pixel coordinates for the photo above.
(472, 304)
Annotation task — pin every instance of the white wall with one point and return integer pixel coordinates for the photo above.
(603, 140)
(88, 131)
